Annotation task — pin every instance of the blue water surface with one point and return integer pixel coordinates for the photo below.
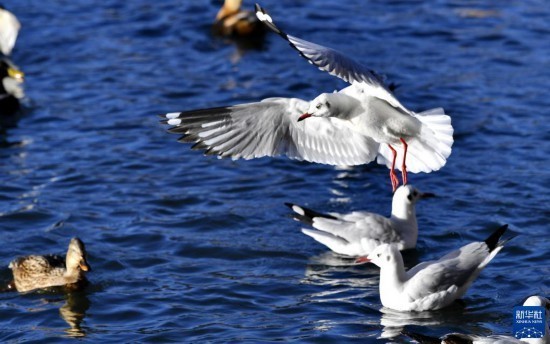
(187, 248)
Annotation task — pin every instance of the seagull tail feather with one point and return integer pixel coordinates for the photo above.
(306, 215)
(431, 151)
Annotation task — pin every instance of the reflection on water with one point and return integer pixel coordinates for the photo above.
(338, 282)
(243, 46)
(454, 316)
(74, 311)
(330, 268)
(4, 142)
(329, 259)
(393, 322)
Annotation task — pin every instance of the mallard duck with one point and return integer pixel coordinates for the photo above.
(232, 21)
(9, 28)
(35, 272)
(11, 89)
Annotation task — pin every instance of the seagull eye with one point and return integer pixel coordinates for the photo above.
(318, 106)
(378, 255)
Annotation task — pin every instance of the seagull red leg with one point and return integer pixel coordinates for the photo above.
(393, 177)
(404, 167)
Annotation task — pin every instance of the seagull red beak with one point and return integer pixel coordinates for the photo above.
(304, 116)
(362, 260)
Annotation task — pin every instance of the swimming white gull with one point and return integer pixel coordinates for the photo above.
(434, 284)
(353, 126)
(360, 232)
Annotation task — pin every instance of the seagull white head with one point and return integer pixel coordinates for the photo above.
(404, 206)
(538, 301)
(384, 255)
(408, 194)
(318, 107)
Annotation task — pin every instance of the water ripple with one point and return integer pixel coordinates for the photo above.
(193, 248)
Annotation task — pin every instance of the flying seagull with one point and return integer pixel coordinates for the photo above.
(353, 126)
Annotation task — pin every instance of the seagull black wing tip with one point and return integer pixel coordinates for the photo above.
(493, 240)
(265, 18)
(307, 215)
(186, 138)
(200, 145)
(290, 205)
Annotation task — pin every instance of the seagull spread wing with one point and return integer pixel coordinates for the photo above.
(271, 128)
(334, 62)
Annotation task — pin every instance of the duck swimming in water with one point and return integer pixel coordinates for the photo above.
(35, 272)
(232, 21)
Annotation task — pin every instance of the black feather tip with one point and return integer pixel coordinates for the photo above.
(492, 240)
(308, 215)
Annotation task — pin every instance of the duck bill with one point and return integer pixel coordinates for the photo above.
(304, 116)
(362, 260)
(16, 74)
(84, 266)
